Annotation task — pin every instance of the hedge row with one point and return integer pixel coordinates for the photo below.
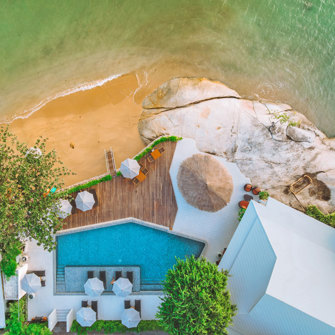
(109, 177)
(160, 140)
(315, 213)
(116, 326)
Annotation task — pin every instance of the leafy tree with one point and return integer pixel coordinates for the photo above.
(26, 176)
(196, 299)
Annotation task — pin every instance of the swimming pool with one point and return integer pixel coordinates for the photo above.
(126, 244)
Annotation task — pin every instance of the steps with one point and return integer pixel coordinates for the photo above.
(60, 279)
(61, 314)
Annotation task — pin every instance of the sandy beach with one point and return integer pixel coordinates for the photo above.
(97, 119)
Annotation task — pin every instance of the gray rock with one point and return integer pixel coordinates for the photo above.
(268, 151)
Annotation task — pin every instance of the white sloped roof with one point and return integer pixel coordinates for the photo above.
(304, 272)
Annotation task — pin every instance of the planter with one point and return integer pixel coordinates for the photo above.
(247, 187)
(256, 190)
(243, 204)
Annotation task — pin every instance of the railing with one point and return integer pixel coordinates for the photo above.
(69, 319)
(52, 320)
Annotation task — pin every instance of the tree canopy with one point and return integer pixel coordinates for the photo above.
(27, 210)
(196, 299)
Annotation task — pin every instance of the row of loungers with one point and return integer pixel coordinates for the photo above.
(94, 305)
(118, 274)
(137, 305)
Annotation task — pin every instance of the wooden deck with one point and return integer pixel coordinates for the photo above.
(152, 200)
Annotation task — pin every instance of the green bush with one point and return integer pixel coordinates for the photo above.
(241, 213)
(196, 299)
(160, 140)
(264, 195)
(86, 185)
(15, 322)
(315, 213)
(8, 263)
(115, 326)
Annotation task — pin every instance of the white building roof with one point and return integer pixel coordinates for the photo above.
(2, 306)
(304, 272)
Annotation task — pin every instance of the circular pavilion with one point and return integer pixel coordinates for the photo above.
(205, 183)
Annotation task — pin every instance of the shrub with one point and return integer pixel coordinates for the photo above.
(160, 140)
(241, 213)
(196, 299)
(263, 195)
(86, 185)
(315, 213)
(15, 322)
(115, 326)
(8, 263)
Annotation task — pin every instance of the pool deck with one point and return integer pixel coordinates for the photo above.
(152, 200)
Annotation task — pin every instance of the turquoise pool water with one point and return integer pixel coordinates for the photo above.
(153, 250)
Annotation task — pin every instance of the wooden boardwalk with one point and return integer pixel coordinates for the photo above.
(152, 200)
(110, 162)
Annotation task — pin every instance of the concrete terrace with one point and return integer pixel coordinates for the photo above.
(152, 200)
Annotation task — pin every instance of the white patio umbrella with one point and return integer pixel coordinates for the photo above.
(122, 287)
(64, 208)
(86, 316)
(30, 283)
(94, 287)
(130, 318)
(34, 152)
(130, 168)
(84, 201)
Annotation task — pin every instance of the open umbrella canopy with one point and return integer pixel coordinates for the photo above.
(130, 318)
(86, 316)
(34, 152)
(30, 283)
(84, 201)
(130, 168)
(205, 183)
(122, 287)
(64, 208)
(94, 287)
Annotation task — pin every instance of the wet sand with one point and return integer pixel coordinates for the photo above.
(93, 120)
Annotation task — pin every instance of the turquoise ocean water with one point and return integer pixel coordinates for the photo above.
(277, 49)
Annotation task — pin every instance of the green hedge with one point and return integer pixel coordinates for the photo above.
(315, 213)
(109, 177)
(87, 185)
(115, 326)
(160, 140)
(16, 323)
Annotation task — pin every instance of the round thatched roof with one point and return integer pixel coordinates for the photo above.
(205, 183)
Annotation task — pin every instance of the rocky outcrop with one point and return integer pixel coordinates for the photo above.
(271, 143)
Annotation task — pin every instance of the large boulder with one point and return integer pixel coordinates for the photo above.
(271, 143)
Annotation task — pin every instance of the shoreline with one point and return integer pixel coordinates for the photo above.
(81, 87)
(83, 121)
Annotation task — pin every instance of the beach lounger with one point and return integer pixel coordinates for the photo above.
(150, 158)
(84, 303)
(39, 273)
(130, 276)
(102, 277)
(118, 274)
(144, 170)
(126, 304)
(90, 274)
(135, 181)
(138, 306)
(94, 306)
